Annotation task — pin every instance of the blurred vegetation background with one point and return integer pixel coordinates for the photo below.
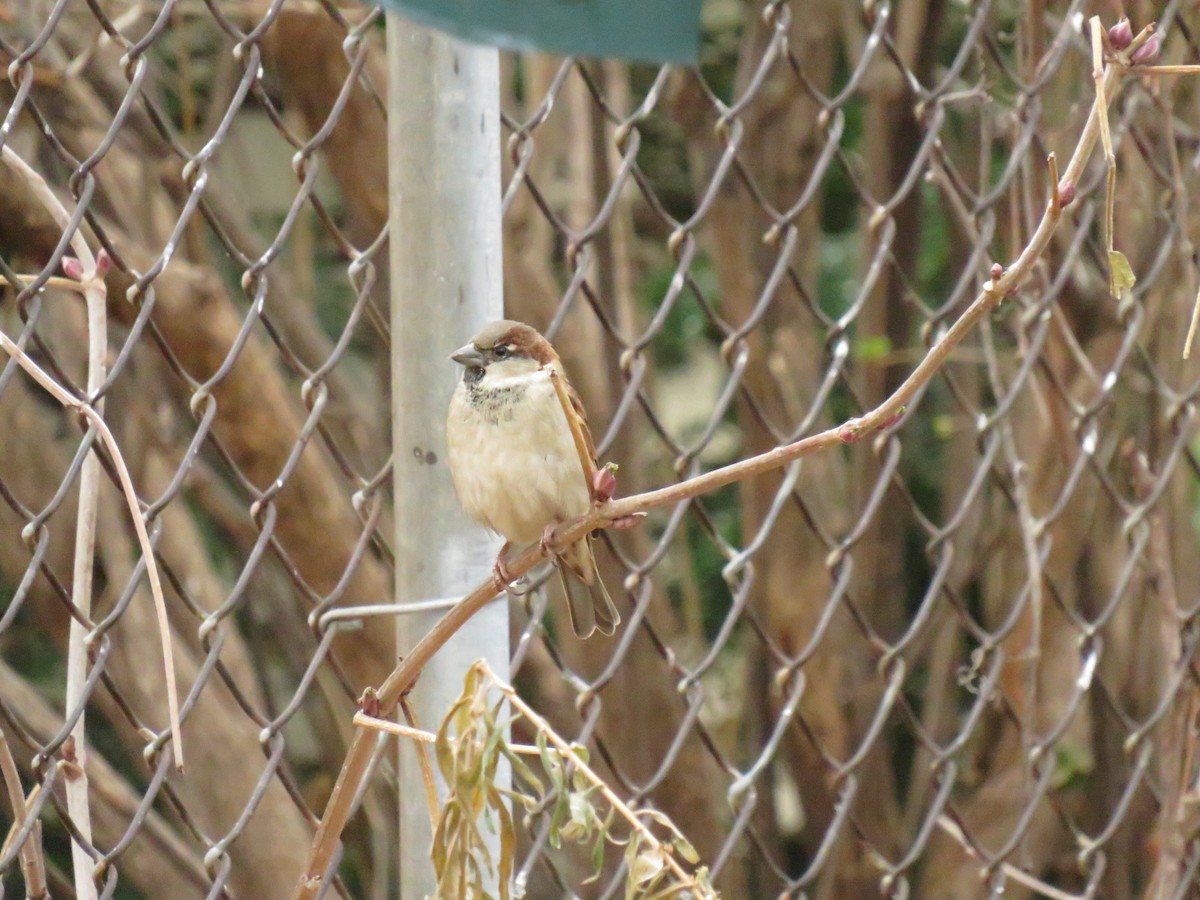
(956, 656)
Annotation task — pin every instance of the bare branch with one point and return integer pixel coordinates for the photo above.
(33, 864)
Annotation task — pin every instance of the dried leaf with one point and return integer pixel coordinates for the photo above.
(1121, 278)
(470, 743)
(686, 850)
(597, 859)
(582, 819)
(646, 866)
(552, 763)
(508, 843)
(561, 814)
(580, 783)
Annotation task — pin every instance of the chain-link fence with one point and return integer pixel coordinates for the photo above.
(950, 659)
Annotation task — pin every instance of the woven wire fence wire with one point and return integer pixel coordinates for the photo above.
(952, 659)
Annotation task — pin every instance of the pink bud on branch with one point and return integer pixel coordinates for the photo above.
(1121, 35)
(604, 483)
(1148, 52)
(72, 268)
(369, 703)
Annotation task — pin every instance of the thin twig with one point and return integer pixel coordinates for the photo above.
(95, 299)
(56, 281)
(1098, 46)
(431, 798)
(30, 802)
(402, 678)
(362, 720)
(1169, 70)
(1052, 164)
(1180, 202)
(1110, 161)
(1191, 334)
(81, 597)
(33, 865)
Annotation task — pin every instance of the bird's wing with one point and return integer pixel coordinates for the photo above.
(581, 413)
(588, 602)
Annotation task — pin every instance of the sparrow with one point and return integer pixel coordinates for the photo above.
(514, 461)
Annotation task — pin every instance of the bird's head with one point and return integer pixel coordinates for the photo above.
(504, 350)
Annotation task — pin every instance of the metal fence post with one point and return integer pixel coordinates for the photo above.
(446, 277)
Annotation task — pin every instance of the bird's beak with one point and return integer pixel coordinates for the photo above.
(468, 356)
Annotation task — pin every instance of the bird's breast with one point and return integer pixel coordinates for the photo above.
(513, 459)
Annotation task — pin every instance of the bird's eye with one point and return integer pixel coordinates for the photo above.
(502, 352)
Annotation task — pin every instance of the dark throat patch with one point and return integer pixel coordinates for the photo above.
(495, 404)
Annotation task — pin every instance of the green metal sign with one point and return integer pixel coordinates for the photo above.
(644, 30)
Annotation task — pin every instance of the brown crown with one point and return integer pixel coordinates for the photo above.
(524, 340)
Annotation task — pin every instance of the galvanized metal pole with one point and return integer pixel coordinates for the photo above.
(446, 281)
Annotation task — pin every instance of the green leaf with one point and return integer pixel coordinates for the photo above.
(1121, 278)
(597, 859)
(561, 814)
(686, 850)
(443, 749)
(631, 855)
(552, 763)
(508, 843)
(522, 772)
(607, 829)
(874, 347)
(582, 820)
(647, 865)
(1072, 764)
(440, 844)
(659, 818)
(942, 426)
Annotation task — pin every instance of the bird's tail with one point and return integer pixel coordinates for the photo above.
(588, 603)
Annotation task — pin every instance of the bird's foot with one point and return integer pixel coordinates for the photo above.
(546, 544)
(504, 578)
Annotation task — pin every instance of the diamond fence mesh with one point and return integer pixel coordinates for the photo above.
(954, 658)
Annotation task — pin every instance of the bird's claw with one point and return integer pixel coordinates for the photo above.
(500, 572)
(546, 544)
(504, 578)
